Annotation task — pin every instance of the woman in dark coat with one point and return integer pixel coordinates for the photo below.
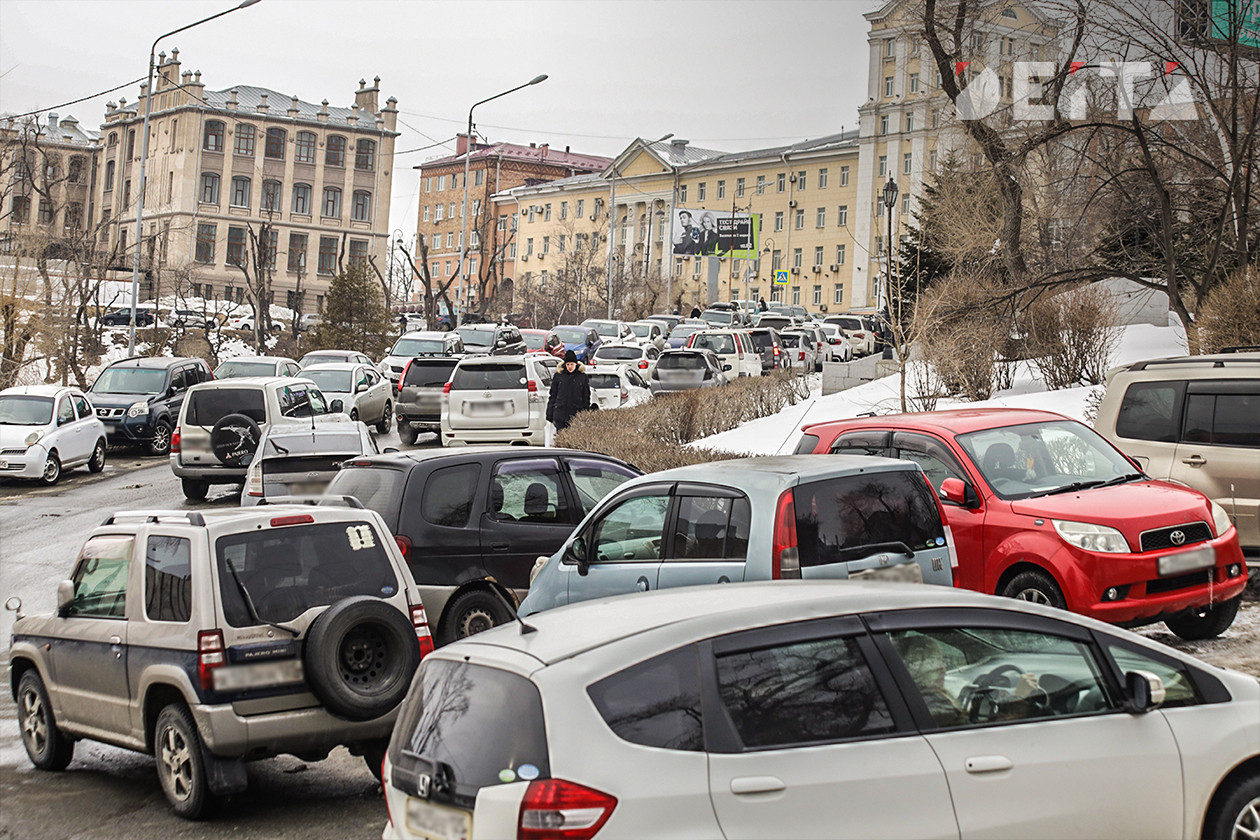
(570, 392)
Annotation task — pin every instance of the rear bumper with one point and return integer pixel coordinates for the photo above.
(208, 472)
(464, 437)
(310, 731)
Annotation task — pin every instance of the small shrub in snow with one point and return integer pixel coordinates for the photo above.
(1072, 337)
(1230, 316)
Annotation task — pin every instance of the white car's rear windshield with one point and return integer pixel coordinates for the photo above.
(488, 377)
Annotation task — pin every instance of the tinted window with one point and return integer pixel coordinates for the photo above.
(379, 489)
(1225, 419)
(448, 495)
(711, 528)
(82, 407)
(655, 703)
(1149, 411)
(528, 491)
(205, 408)
(800, 693)
(620, 354)
(168, 579)
(227, 370)
(604, 380)
(936, 461)
(791, 339)
(681, 361)
(429, 375)
(290, 569)
(721, 344)
(301, 401)
(100, 578)
(762, 340)
(453, 721)
(837, 518)
(596, 479)
(488, 377)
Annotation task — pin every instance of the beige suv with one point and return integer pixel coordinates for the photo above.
(1195, 420)
(211, 639)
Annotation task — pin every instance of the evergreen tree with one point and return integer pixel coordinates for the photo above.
(355, 317)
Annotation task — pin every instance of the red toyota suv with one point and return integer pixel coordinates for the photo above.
(1043, 508)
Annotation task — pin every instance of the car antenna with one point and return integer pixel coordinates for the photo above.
(525, 628)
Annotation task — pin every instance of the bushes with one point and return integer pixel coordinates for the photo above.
(962, 333)
(651, 435)
(1072, 336)
(1230, 316)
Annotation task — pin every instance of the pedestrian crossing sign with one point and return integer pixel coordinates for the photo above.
(780, 277)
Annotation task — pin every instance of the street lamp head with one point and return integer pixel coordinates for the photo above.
(666, 137)
(539, 78)
(890, 192)
(245, 3)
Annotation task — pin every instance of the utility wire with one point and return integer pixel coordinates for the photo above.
(76, 101)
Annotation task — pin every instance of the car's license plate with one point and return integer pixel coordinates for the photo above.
(1187, 561)
(437, 822)
(901, 573)
(257, 675)
(308, 488)
(486, 409)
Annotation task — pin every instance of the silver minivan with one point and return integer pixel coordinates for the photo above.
(497, 399)
(747, 519)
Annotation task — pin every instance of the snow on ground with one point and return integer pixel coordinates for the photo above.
(779, 433)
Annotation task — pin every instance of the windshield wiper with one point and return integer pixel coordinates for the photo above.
(1075, 485)
(249, 602)
(1121, 479)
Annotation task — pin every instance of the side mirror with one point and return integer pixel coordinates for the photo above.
(362, 386)
(1145, 691)
(336, 406)
(390, 449)
(577, 552)
(958, 492)
(726, 367)
(65, 597)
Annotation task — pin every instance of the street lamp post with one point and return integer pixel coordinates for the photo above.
(468, 150)
(144, 158)
(612, 227)
(890, 201)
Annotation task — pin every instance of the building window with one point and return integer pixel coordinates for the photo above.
(439, 212)
(271, 196)
(581, 207)
(131, 143)
(837, 294)
(702, 189)
(818, 258)
(822, 179)
(332, 203)
(890, 48)
(358, 253)
(529, 246)
(441, 183)
(426, 212)
(932, 160)
(450, 210)
(45, 211)
(844, 176)
(126, 193)
(905, 202)
(817, 295)
(907, 163)
(888, 86)
(776, 260)
(362, 209)
(821, 220)
(272, 245)
(236, 246)
(780, 182)
(840, 256)
(75, 173)
(213, 139)
(796, 295)
(335, 151)
(914, 82)
(721, 189)
(800, 219)
(797, 257)
(778, 220)
(240, 191)
(909, 122)
(479, 177)
(113, 138)
(739, 187)
(74, 215)
(21, 209)
(842, 215)
(209, 188)
(297, 252)
(800, 180)
(365, 155)
(547, 213)
(327, 255)
(682, 194)
(244, 144)
(450, 239)
(546, 245)
(302, 199)
(205, 243)
(564, 210)
(883, 166)
(275, 144)
(883, 124)
(304, 148)
(109, 175)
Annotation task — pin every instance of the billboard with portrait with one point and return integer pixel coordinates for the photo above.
(715, 233)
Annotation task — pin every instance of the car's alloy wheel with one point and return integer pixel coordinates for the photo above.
(161, 443)
(387, 419)
(52, 470)
(1036, 587)
(97, 463)
(1247, 823)
(180, 764)
(46, 747)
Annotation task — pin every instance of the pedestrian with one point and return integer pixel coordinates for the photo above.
(695, 312)
(761, 305)
(570, 392)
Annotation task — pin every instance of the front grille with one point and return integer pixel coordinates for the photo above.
(1172, 584)
(12, 451)
(1190, 533)
(109, 412)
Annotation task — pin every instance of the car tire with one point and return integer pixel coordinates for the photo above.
(407, 433)
(1205, 622)
(472, 613)
(354, 414)
(46, 746)
(374, 757)
(161, 443)
(52, 470)
(1235, 811)
(234, 439)
(360, 656)
(97, 462)
(181, 765)
(387, 419)
(1035, 586)
(195, 490)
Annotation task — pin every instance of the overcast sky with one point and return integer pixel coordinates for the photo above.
(729, 75)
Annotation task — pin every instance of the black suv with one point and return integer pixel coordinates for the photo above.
(138, 399)
(473, 521)
(492, 339)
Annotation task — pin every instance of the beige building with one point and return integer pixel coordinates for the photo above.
(47, 169)
(223, 164)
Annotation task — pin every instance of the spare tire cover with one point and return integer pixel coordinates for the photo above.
(360, 656)
(234, 439)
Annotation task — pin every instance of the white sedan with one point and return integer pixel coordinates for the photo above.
(46, 429)
(641, 356)
(363, 393)
(617, 385)
(820, 709)
(839, 347)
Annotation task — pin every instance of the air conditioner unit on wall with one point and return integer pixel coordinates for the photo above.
(792, 203)
(835, 266)
(524, 257)
(818, 269)
(592, 217)
(795, 270)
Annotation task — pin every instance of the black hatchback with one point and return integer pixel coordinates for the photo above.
(472, 522)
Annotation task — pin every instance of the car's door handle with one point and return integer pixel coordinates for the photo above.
(115, 640)
(988, 764)
(756, 784)
(500, 546)
(642, 584)
(1194, 460)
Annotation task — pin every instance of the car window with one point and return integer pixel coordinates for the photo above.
(711, 528)
(801, 693)
(129, 380)
(932, 456)
(861, 443)
(1179, 687)
(596, 479)
(528, 491)
(429, 374)
(1150, 411)
(448, 495)
(654, 703)
(1032, 459)
(182, 379)
(635, 379)
(168, 578)
(100, 577)
(488, 377)
(1223, 419)
(837, 519)
(65, 411)
(291, 569)
(632, 531)
(972, 676)
(210, 405)
(81, 406)
(545, 371)
(376, 489)
(301, 400)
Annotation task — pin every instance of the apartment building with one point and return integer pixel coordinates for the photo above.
(48, 169)
(225, 164)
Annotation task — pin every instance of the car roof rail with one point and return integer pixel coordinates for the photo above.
(1214, 361)
(316, 501)
(192, 517)
(1242, 348)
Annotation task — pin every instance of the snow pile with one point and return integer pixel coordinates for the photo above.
(779, 433)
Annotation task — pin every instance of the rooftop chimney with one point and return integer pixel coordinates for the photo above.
(543, 150)
(323, 111)
(262, 103)
(52, 121)
(678, 147)
(232, 103)
(293, 106)
(365, 98)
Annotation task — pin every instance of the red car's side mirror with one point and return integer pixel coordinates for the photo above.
(954, 490)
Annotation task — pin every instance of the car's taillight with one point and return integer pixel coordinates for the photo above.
(554, 809)
(446, 389)
(776, 351)
(785, 556)
(420, 621)
(859, 335)
(175, 441)
(254, 484)
(210, 655)
(800, 356)
(643, 364)
(531, 386)
(404, 545)
(625, 395)
(402, 377)
(297, 519)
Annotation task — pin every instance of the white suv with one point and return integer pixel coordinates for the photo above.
(739, 356)
(497, 399)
